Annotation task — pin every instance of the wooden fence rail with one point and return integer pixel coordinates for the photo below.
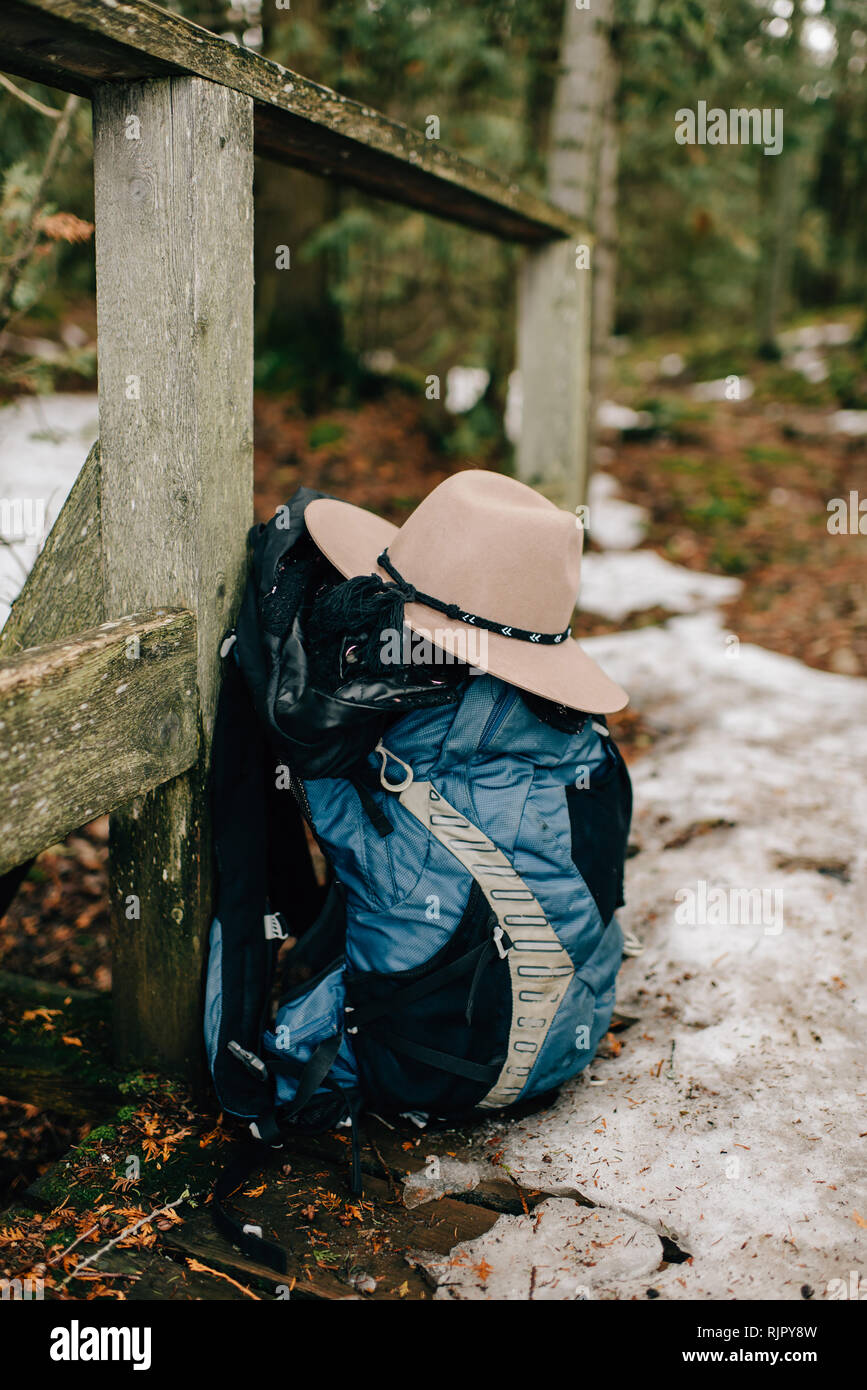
(91, 721)
(156, 523)
(78, 44)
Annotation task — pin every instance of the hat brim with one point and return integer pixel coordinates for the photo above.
(352, 538)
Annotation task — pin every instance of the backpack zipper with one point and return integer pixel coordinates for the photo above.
(501, 708)
(296, 787)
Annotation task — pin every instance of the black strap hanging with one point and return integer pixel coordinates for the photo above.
(443, 1061)
(248, 1157)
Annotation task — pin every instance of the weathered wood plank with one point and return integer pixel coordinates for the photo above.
(63, 592)
(79, 1097)
(174, 260)
(89, 721)
(78, 44)
(327, 1234)
(553, 359)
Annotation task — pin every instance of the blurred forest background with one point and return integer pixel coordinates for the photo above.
(719, 243)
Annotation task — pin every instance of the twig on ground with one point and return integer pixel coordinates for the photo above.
(125, 1234)
(198, 1268)
(78, 1239)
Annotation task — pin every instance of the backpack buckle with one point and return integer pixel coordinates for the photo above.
(275, 927)
(502, 951)
(253, 1063)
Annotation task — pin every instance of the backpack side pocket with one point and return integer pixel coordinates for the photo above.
(599, 818)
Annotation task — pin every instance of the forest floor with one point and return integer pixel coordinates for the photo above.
(710, 1151)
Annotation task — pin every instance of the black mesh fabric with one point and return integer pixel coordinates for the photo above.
(341, 624)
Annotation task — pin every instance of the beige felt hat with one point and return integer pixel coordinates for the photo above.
(499, 566)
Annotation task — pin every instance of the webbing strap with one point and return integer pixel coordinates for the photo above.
(540, 967)
(247, 1159)
(311, 1075)
(314, 1072)
(443, 1061)
(366, 1013)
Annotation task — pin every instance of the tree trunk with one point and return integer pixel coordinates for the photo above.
(582, 165)
(780, 184)
(298, 326)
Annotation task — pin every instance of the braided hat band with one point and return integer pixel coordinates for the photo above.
(456, 613)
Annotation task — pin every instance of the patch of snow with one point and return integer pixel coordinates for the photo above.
(721, 389)
(514, 408)
(556, 1252)
(44, 441)
(815, 335)
(465, 387)
(809, 363)
(611, 416)
(438, 1177)
(616, 584)
(613, 523)
(852, 422)
(379, 360)
(672, 364)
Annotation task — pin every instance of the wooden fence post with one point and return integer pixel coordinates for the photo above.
(553, 359)
(173, 163)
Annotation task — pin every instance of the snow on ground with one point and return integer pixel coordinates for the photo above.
(44, 441)
(612, 522)
(733, 1121)
(851, 422)
(620, 580)
(617, 583)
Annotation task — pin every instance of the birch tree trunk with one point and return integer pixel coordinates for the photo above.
(582, 166)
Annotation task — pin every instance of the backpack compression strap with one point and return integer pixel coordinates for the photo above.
(540, 966)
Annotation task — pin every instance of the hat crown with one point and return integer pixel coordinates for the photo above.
(494, 547)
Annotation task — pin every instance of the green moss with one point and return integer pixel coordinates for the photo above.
(779, 384)
(730, 560)
(719, 510)
(681, 463)
(140, 1083)
(325, 432)
(763, 453)
(59, 1185)
(102, 1134)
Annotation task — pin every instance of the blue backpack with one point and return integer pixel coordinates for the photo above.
(462, 956)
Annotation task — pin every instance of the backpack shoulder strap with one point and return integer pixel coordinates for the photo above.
(540, 966)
